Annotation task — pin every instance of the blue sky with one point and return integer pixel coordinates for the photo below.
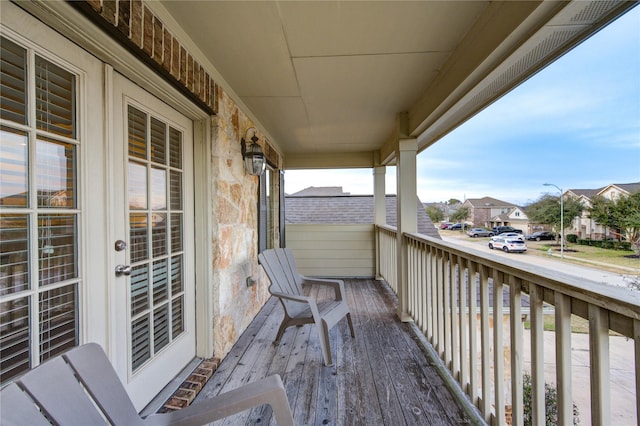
(575, 124)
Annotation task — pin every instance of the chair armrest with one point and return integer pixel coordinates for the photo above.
(338, 285)
(292, 297)
(266, 391)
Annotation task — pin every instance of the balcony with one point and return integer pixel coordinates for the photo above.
(410, 372)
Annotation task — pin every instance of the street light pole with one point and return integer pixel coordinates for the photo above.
(561, 218)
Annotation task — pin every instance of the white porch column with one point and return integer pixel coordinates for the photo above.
(379, 207)
(406, 214)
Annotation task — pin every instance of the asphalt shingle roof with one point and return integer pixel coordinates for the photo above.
(348, 209)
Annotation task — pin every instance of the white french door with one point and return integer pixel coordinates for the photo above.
(151, 194)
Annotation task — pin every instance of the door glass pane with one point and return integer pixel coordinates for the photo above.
(140, 341)
(55, 173)
(158, 189)
(158, 141)
(176, 275)
(159, 234)
(138, 236)
(161, 325)
(175, 190)
(58, 321)
(55, 99)
(175, 148)
(160, 281)
(137, 124)
(139, 289)
(56, 248)
(14, 152)
(13, 75)
(15, 338)
(155, 198)
(137, 186)
(14, 252)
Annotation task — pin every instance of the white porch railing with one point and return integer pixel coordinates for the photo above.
(442, 277)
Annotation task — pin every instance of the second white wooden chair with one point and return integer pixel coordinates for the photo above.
(299, 309)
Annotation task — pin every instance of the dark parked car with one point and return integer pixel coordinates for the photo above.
(457, 227)
(497, 230)
(479, 232)
(541, 235)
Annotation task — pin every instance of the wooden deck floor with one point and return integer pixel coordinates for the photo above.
(380, 377)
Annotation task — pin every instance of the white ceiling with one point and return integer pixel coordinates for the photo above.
(331, 77)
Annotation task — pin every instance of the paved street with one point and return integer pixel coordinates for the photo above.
(622, 362)
(591, 273)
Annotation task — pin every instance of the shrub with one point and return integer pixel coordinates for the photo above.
(572, 238)
(550, 403)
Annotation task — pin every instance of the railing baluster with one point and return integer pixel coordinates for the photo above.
(498, 344)
(439, 284)
(515, 330)
(563, 358)
(599, 366)
(463, 321)
(455, 309)
(485, 343)
(473, 332)
(446, 304)
(636, 337)
(537, 355)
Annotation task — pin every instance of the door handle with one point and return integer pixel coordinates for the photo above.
(123, 270)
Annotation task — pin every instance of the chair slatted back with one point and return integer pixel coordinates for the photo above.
(17, 408)
(282, 271)
(69, 407)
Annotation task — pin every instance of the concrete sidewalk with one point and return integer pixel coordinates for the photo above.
(622, 374)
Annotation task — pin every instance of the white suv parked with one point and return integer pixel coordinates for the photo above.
(508, 244)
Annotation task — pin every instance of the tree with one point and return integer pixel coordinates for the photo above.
(453, 201)
(546, 210)
(623, 213)
(461, 214)
(436, 214)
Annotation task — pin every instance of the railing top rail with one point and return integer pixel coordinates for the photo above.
(616, 299)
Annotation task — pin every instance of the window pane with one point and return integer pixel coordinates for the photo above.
(177, 316)
(137, 122)
(14, 338)
(55, 99)
(158, 141)
(176, 275)
(13, 77)
(14, 250)
(140, 343)
(159, 234)
(176, 232)
(138, 236)
(160, 328)
(160, 281)
(58, 321)
(175, 148)
(175, 190)
(56, 248)
(137, 186)
(14, 152)
(139, 289)
(55, 173)
(158, 189)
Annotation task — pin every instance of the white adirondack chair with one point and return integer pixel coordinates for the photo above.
(81, 387)
(286, 284)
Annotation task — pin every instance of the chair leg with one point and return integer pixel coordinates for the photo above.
(350, 325)
(323, 331)
(283, 326)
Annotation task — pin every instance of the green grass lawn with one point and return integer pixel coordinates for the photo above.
(612, 257)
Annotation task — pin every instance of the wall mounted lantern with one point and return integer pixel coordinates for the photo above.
(254, 159)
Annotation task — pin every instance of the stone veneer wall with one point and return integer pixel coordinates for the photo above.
(235, 231)
(234, 237)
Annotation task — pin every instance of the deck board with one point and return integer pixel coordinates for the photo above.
(380, 377)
